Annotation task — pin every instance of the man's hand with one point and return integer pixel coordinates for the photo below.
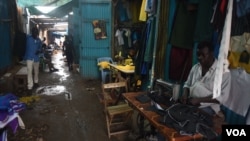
(194, 101)
(184, 99)
(184, 96)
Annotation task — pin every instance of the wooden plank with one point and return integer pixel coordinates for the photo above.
(119, 109)
(22, 71)
(114, 85)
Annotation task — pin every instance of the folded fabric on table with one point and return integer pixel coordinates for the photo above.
(143, 98)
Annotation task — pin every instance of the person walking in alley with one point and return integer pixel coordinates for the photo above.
(33, 49)
(68, 50)
(47, 57)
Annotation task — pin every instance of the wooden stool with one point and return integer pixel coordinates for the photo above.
(20, 79)
(117, 111)
(117, 118)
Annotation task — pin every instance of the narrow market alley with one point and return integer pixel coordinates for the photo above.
(124, 70)
(63, 108)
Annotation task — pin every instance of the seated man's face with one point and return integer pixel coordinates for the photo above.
(205, 57)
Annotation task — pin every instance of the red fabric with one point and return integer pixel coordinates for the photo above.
(178, 58)
(223, 6)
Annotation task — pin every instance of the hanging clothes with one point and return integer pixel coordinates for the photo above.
(139, 58)
(122, 12)
(140, 67)
(222, 65)
(183, 34)
(143, 14)
(216, 44)
(180, 63)
(150, 7)
(240, 52)
(242, 7)
(148, 48)
(148, 56)
(134, 10)
(203, 28)
(219, 15)
(240, 24)
(238, 99)
(127, 37)
(119, 34)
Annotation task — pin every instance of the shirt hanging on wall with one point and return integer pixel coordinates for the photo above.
(119, 34)
(143, 14)
(239, 56)
(238, 99)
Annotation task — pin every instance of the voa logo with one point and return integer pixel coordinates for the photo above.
(236, 132)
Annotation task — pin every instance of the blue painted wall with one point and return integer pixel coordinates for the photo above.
(76, 34)
(90, 48)
(5, 49)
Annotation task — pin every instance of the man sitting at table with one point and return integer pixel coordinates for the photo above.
(198, 88)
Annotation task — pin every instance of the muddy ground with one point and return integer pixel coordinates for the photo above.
(64, 107)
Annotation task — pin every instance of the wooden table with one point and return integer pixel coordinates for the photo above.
(169, 133)
(120, 69)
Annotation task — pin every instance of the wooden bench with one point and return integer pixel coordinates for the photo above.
(20, 79)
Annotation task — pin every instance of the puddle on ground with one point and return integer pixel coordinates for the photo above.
(58, 62)
(54, 90)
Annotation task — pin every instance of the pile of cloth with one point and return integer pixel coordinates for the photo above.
(10, 106)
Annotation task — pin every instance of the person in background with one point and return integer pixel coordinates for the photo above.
(44, 39)
(198, 88)
(47, 57)
(68, 50)
(33, 49)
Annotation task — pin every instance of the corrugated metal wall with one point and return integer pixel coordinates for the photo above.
(5, 29)
(91, 49)
(70, 25)
(76, 34)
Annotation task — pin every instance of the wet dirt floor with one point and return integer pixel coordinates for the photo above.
(64, 107)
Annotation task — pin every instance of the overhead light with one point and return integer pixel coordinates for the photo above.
(60, 32)
(42, 16)
(45, 9)
(61, 24)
